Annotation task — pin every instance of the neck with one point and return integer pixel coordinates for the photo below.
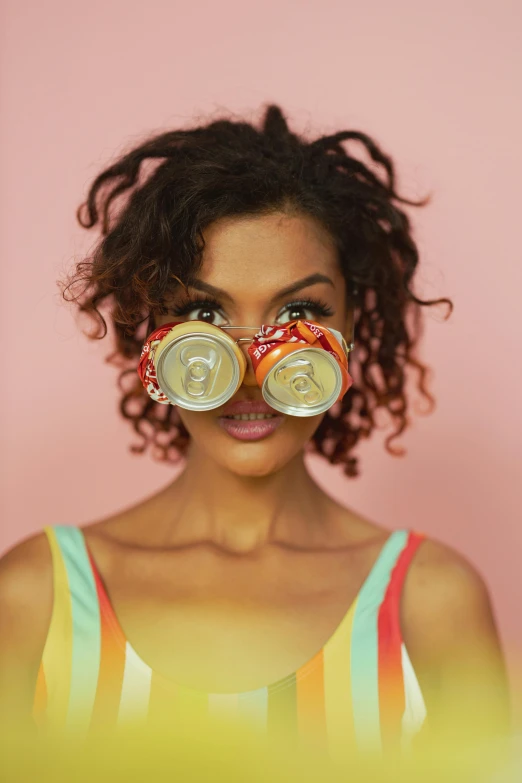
(242, 514)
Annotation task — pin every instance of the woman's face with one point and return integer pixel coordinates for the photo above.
(259, 270)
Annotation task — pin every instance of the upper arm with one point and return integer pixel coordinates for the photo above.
(26, 595)
(451, 635)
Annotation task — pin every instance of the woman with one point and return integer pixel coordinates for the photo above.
(242, 588)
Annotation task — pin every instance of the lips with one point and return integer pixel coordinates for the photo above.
(250, 420)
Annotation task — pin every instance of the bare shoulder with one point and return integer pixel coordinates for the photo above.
(447, 609)
(26, 594)
(443, 582)
(450, 632)
(29, 560)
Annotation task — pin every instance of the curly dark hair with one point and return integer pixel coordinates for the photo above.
(151, 242)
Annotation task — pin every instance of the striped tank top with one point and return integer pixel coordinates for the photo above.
(358, 692)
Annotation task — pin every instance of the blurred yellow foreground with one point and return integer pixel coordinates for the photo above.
(213, 752)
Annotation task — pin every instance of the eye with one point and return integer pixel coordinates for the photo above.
(200, 310)
(207, 314)
(295, 313)
(306, 310)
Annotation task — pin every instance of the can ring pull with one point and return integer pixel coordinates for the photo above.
(298, 375)
(198, 373)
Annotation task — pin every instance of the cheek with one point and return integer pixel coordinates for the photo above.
(197, 423)
(303, 427)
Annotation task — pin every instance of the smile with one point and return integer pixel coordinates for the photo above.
(251, 416)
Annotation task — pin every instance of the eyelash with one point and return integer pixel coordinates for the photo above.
(318, 307)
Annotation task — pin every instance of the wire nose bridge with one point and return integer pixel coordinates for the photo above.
(348, 346)
(243, 339)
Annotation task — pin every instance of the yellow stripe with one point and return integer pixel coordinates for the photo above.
(192, 706)
(57, 654)
(163, 702)
(40, 696)
(338, 691)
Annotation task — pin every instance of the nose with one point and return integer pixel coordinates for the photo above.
(243, 336)
(243, 344)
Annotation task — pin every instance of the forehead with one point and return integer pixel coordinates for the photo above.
(266, 252)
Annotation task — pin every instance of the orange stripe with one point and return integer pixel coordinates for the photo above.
(311, 715)
(391, 678)
(112, 662)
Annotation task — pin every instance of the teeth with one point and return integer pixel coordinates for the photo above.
(251, 416)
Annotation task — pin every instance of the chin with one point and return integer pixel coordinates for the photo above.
(257, 465)
(254, 458)
(262, 458)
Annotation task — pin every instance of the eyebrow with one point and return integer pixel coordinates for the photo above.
(305, 282)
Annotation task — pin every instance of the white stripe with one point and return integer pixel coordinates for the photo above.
(415, 708)
(253, 708)
(135, 689)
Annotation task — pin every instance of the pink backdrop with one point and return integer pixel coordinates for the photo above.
(435, 83)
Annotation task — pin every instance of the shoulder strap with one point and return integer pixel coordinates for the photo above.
(376, 650)
(390, 606)
(384, 584)
(71, 655)
(397, 681)
(374, 589)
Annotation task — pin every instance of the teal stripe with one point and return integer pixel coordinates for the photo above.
(253, 708)
(364, 645)
(86, 641)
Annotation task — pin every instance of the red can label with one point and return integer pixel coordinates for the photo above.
(304, 332)
(146, 368)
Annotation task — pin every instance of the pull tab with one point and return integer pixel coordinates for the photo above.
(199, 361)
(299, 377)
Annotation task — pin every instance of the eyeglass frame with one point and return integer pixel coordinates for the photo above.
(336, 332)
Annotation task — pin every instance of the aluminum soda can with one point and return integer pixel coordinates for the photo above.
(301, 367)
(193, 364)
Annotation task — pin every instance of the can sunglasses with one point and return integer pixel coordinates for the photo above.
(301, 367)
